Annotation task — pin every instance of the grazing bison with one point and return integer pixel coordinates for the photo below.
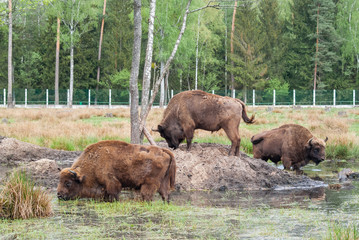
(192, 110)
(292, 144)
(104, 168)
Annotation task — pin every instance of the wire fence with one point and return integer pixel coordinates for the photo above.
(115, 97)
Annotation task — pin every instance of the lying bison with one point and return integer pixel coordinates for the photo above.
(104, 168)
(292, 144)
(192, 110)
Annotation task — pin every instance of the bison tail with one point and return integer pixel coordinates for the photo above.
(245, 117)
(171, 171)
(256, 140)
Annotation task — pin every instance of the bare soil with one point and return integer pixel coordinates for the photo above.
(206, 167)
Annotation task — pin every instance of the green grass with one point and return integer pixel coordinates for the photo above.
(340, 231)
(98, 120)
(129, 219)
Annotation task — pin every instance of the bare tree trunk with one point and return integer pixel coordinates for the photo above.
(162, 87)
(136, 53)
(148, 62)
(316, 52)
(57, 64)
(10, 103)
(100, 46)
(232, 36)
(158, 81)
(196, 75)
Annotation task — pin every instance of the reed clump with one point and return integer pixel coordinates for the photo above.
(20, 199)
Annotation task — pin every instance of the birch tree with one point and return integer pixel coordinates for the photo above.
(74, 13)
(100, 45)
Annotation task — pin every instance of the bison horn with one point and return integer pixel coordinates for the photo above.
(154, 130)
(310, 141)
(326, 139)
(73, 172)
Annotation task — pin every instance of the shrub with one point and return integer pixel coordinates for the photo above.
(20, 199)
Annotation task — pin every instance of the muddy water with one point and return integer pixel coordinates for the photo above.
(282, 213)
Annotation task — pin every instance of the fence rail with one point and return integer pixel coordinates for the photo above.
(115, 97)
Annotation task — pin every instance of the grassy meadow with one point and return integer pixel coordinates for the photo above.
(74, 129)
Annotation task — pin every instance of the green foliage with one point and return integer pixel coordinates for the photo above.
(249, 68)
(274, 39)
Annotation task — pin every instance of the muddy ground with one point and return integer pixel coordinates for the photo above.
(205, 167)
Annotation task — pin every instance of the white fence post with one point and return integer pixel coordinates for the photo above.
(334, 98)
(313, 97)
(109, 98)
(171, 93)
(234, 93)
(273, 97)
(25, 97)
(68, 98)
(254, 97)
(89, 101)
(4, 97)
(212, 91)
(47, 98)
(353, 97)
(294, 97)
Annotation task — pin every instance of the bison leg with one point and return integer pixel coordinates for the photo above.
(188, 131)
(113, 188)
(286, 163)
(147, 191)
(233, 135)
(163, 191)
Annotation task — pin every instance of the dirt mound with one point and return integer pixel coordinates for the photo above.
(14, 152)
(44, 172)
(206, 166)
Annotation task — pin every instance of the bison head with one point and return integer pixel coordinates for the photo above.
(70, 184)
(316, 149)
(173, 134)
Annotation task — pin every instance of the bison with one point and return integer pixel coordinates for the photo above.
(292, 144)
(104, 168)
(192, 110)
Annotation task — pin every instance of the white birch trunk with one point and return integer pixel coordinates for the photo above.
(148, 61)
(57, 64)
(162, 88)
(157, 83)
(196, 72)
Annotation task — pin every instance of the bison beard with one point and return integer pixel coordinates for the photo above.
(104, 168)
(292, 144)
(191, 110)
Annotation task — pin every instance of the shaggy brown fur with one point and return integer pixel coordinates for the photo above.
(192, 110)
(104, 168)
(292, 144)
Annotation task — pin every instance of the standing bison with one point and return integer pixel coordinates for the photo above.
(104, 168)
(292, 144)
(192, 110)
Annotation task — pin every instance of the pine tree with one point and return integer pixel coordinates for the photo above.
(300, 48)
(327, 41)
(248, 56)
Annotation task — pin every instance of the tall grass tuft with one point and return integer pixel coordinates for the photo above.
(339, 232)
(20, 199)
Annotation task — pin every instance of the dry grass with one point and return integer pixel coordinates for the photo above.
(74, 129)
(20, 199)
